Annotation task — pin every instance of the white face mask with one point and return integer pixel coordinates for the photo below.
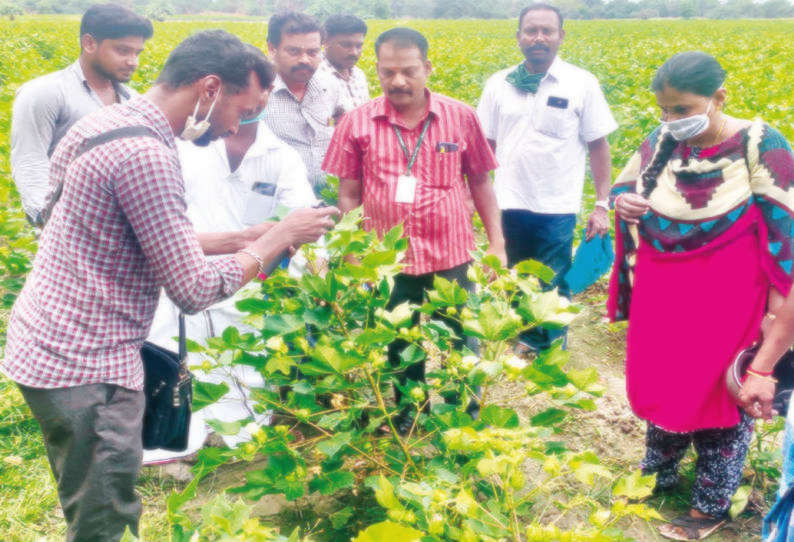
(689, 127)
(194, 130)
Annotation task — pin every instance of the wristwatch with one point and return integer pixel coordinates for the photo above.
(603, 203)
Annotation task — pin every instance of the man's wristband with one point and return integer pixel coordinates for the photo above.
(603, 203)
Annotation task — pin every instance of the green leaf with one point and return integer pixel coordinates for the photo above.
(388, 531)
(384, 494)
(497, 325)
(280, 363)
(225, 428)
(340, 518)
(412, 354)
(231, 336)
(635, 486)
(739, 501)
(583, 378)
(537, 269)
(380, 336)
(374, 260)
(331, 446)
(399, 317)
(499, 417)
(447, 292)
(586, 466)
(547, 308)
(330, 483)
(333, 357)
(207, 393)
(549, 417)
(282, 324)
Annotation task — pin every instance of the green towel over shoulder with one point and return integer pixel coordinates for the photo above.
(523, 80)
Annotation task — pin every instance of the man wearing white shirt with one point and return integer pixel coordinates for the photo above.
(233, 184)
(343, 41)
(544, 117)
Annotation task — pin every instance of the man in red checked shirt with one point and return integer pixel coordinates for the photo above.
(117, 234)
(407, 156)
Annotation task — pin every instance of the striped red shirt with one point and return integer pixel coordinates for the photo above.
(437, 224)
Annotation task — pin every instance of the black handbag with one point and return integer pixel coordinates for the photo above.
(168, 385)
(783, 372)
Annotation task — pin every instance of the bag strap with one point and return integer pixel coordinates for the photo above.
(182, 340)
(85, 146)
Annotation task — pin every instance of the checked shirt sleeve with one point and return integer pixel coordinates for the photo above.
(150, 191)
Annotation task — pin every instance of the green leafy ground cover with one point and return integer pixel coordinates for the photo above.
(623, 54)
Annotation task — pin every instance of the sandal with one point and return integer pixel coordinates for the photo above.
(689, 528)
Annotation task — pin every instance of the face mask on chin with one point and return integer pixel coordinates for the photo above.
(689, 127)
(259, 117)
(193, 129)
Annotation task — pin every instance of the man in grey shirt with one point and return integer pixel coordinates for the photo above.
(111, 38)
(304, 104)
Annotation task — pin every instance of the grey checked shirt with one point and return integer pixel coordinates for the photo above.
(355, 90)
(306, 125)
(44, 110)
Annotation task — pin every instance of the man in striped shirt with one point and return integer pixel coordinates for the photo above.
(406, 156)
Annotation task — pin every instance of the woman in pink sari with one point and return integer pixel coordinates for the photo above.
(705, 248)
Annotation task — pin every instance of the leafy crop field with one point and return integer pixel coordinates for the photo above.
(759, 59)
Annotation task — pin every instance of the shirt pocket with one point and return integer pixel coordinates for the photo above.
(554, 116)
(445, 164)
(260, 203)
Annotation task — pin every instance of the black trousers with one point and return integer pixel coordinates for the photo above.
(94, 445)
(412, 288)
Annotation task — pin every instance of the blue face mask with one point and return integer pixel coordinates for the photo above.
(257, 118)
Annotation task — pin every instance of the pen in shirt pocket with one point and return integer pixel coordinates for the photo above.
(444, 147)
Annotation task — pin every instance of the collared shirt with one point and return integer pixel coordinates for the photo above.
(306, 125)
(437, 224)
(355, 90)
(44, 110)
(541, 139)
(271, 174)
(117, 235)
(219, 199)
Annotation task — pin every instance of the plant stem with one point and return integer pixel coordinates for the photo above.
(395, 433)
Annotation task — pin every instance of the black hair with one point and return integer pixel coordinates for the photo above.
(664, 151)
(111, 21)
(343, 23)
(290, 22)
(403, 37)
(216, 52)
(539, 6)
(692, 71)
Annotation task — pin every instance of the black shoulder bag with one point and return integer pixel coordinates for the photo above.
(169, 395)
(168, 384)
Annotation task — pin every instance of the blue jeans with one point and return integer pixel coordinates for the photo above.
(547, 238)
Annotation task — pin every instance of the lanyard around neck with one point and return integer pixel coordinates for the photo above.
(412, 158)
